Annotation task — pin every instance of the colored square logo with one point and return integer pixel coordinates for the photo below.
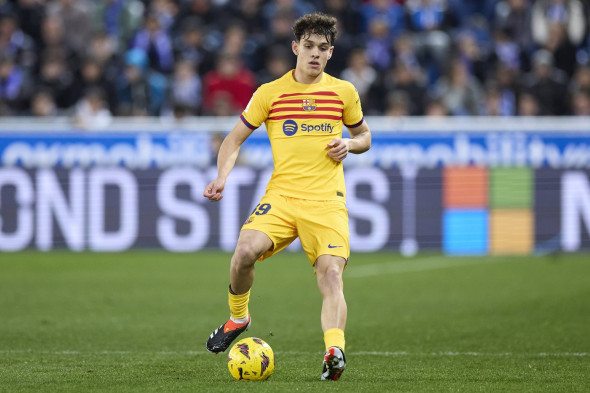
(511, 187)
(511, 231)
(465, 231)
(465, 187)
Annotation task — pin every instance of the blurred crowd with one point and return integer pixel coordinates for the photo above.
(95, 59)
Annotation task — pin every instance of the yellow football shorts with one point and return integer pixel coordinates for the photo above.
(322, 226)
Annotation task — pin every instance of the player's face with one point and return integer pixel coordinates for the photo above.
(313, 52)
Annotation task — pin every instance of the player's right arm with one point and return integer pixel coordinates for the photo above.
(253, 116)
(226, 159)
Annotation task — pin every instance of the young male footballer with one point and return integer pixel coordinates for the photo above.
(303, 111)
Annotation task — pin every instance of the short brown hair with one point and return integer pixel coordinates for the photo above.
(316, 23)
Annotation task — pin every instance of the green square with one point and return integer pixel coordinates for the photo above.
(511, 188)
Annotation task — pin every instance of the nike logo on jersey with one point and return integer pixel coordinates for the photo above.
(331, 246)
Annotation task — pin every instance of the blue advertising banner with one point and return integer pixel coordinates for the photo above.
(555, 149)
(103, 149)
(115, 209)
(469, 190)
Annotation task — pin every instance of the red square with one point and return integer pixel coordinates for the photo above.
(465, 187)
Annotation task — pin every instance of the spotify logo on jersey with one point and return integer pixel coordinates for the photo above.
(289, 127)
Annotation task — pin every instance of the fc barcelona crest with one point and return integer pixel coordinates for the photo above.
(308, 104)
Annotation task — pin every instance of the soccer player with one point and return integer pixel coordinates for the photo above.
(304, 111)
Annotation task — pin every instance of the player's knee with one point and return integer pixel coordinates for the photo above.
(245, 255)
(333, 277)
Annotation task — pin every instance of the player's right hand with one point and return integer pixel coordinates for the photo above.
(214, 189)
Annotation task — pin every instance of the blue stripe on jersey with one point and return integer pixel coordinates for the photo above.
(250, 126)
(355, 125)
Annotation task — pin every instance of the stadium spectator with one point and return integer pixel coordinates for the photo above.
(492, 101)
(508, 86)
(388, 11)
(77, 21)
(404, 53)
(56, 77)
(13, 87)
(249, 12)
(514, 17)
(564, 52)
(295, 8)
(464, 10)
(347, 14)
(223, 105)
(14, 43)
(398, 104)
(200, 9)
(431, 21)
(43, 104)
(54, 43)
(186, 87)
(478, 28)
(231, 80)
(118, 19)
(140, 91)
(472, 56)
(506, 52)
(567, 13)
(30, 14)
(237, 43)
(279, 62)
(379, 43)
(495, 40)
(547, 85)
(104, 51)
(580, 80)
(91, 112)
(436, 108)
(460, 92)
(347, 42)
(399, 78)
(528, 105)
(166, 12)
(280, 33)
(92, 76)
(156, 43)
(190, 46)
(581, 103)
(359, 72)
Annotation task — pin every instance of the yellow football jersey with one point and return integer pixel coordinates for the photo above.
(301, 119)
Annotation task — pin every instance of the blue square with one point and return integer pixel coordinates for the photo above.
(465, 231)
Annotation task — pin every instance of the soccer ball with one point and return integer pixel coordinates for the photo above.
(251, 359)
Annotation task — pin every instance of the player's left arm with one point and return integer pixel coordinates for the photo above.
(359, 142)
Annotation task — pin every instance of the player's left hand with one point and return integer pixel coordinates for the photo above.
(338, 149)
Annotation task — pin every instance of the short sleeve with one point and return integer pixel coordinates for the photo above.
(256, 111)
(352, 115)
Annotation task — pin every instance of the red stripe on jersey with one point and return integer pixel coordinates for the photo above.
(316, 101)
(300, 109)
(317, 93)
(325, 117)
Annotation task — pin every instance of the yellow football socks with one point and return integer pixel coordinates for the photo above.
(238, 304)
(334, 338)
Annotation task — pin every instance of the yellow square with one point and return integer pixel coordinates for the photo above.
(511, 231)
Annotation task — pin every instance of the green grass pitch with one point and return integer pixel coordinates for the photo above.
(138, 322)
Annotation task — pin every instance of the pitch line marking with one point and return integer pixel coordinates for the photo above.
(416, 265)
(352, 353)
